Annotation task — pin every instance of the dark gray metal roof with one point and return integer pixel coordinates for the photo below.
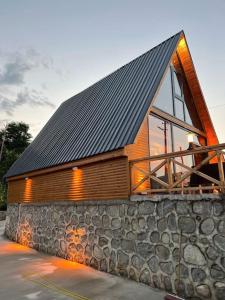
(104, 117)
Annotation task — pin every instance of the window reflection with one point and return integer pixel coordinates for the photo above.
(165, 137)
(164, 99)
(179, 109)
(160, 139)
(177, 84)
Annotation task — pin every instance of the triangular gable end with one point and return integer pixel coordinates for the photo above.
(202, 117)
(195, 89)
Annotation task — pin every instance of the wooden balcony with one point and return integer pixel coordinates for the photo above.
(198, 170)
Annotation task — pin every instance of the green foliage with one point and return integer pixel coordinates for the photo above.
(17, 138)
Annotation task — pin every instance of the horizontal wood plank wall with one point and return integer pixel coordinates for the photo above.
(138, 150)
(103, 180)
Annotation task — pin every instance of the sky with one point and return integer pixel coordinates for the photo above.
(50, 50)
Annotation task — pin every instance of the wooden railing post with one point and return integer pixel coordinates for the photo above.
(220, 168)
(169, 173)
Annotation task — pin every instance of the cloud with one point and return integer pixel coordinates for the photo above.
(26, 96)
(17, 64)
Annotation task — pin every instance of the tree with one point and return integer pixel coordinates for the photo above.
(14, 139)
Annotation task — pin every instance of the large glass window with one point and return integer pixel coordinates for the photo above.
(159, 136)
(174, 93)
(179, 109)
(166, 137)
(164, 99)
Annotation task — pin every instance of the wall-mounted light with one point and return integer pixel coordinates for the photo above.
(26, 178)
(75, 168)
(190, 137)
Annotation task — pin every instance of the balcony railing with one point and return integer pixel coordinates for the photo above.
(191, 171)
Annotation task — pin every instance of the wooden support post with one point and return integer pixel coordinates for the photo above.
(220, 168)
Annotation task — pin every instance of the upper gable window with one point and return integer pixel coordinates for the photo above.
(171, 97)
(177, 84)
(165, 97)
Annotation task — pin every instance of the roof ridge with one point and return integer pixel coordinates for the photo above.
(116, 70)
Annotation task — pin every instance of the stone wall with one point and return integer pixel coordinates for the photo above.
(2, 215)
(147, 241)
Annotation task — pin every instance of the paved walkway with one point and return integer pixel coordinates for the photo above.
(28, 274)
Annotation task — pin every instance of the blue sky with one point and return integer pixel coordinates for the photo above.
(51, 50)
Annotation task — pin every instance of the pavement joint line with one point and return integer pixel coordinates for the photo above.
(51, 285)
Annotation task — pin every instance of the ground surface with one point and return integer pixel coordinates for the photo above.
(27, 274)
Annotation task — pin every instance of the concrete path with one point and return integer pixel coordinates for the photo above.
(28, 274)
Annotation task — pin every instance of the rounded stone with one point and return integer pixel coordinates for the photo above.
(102, 241)
(105, 221)
(212, 253)
(218, 208)
(182, 270)
(203, 290)
(141, 236)
(137, 262)
(132, 274)
(171, 222)
(96, 220)
(153, 264)
(113, 211)
(154, 237)
(116, 223)
(162, 224)
(182, 208)
(220, 290)
(123, 260)
(141, 223)
(217, 272)
(193, 255)
(131, 235)
(219, 241)
(207, 226)
(162, 252)
(198, 275)
(115, 243)
(131, 211)
(187, 224)
(167, 267)
(151, 222)
(98, 253)
(145, 249)
(128, 245)
(165, 238)
(145, 276)
(146, 208)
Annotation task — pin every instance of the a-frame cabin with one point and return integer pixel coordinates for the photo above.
(151, 106)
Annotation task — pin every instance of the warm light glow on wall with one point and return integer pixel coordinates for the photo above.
(75, 190)
(75, 238)
(25, 234)
(182, 44)
(27, 197)
(137, 176)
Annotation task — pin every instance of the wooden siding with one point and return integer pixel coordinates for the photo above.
(138, 150)
(101, 180)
